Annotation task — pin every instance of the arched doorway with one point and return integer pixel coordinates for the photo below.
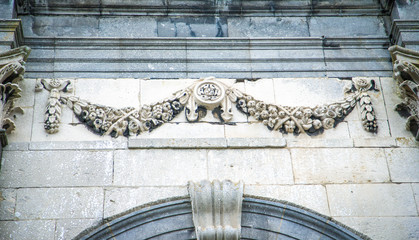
(261, 219)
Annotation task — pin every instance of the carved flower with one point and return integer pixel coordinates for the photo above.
(106, 125)
(92, 108)
(251, 104)
(271, 122)
(307, 123)
(298, 114)
(166, 107)
(320, 111)
(97, 123)
(260, 106)
(264, 114)
(145, 113)
(282, 114)
(157, 111)
(100, 113)
(331, 114)
(317, 124)
(252, 111)
(328, 123)
(176, 105)
(307, 112)
(165, 117)
(84, 114)
(289, 126)
(120, 127)
(273, 111)
(92, 116)
(133, 126)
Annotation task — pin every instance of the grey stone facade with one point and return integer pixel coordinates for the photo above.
(132, 53)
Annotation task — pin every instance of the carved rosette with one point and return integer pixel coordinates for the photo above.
(12, 69)
(208, 94)
(406, 73)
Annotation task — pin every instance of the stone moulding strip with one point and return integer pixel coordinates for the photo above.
(406, 73)
(216, 209)
(188, 143)
(208, 94)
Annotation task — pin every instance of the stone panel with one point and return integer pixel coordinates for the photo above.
(27, 230)
(118, 200)
(336, 165)
(309, 196)
(403, 164)
(346, 26)
(23, 122)
(371, 200)
(250, 130)
(7, 203)
(415, 187)
(70, 228)
(56, 203)
(127, 27)
(61, 26)
(390, 228)
(253, 166)
(56, 168)
(159, 167)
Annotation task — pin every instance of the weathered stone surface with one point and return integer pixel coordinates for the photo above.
(339, 165)
(375, 142)
(250, 130)
(192, 27)
(356, 130)
(185, 130)
(17, 146)
(68, 134)
(403, 164)
(262, 89)
(346, 26)
(367, 200)
(256, 142)
(127, 27)
(407, 142)
(268, 26)
(146, 167)
(7, 203)
(23, 130)
(318, 143)
(61, 203)
(309, 196)
(415, 187)
(391, 228)
(56, 168)
(70, 228)
(118, 200)
(120, 143)
(28, 86)
(27, 230)
(177, 143)
(255, 166)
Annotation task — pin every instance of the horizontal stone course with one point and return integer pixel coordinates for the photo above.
(371, 200)
(403, 164)
(339, 165)
(27, 230)
(58, 203)
(56, 168)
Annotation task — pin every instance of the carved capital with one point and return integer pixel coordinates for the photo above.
(216, 209)
(11, 72)
(406, 73)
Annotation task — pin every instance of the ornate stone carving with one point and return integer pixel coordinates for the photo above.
(406, 73)
(216, 209)
(11, 72)
(53, 111)
(210, 94)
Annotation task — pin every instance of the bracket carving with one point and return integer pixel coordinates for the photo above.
(12, 69)
(406, 73)
(209, 94)
(216, 209)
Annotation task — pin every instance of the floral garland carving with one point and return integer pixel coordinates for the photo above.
(209, 94)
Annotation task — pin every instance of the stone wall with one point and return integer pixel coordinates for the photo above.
(56, 185)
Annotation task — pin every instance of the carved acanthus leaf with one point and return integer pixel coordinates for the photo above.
(207, 94)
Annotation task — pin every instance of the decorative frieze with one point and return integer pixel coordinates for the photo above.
(11, 72)
(406, 73)
(208, 94)
(216, 209)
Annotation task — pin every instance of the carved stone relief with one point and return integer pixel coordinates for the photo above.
(208, 94)
(11, 72)
(406, 73)
(216, 209)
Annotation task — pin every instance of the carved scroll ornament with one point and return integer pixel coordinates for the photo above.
(406, 73)
(11, 72)
(208, 94)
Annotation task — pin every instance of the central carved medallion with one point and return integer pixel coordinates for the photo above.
(209, 93)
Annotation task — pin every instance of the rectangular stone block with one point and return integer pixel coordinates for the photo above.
(118, 200)
(250, 130)
(371, 200)
(127, 27)
(7, 203)
(119, 143)
(375, 142)
(153, 91)
(56, 168)
(23, 123)
(185, 130)
(320, 143)
(261, 89)
(70, 228)
(346, 26)
(28, 89)
(256, 142)
(27, 230)
(403, 164)
(335, 165)
(415, 187)
(402, 228)
(147, 167)
(177, 143)
(309, 196)
(17, 146)
(56, 203)
(407, 142)
(254, 166)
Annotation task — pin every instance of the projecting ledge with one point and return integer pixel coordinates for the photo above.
(207, 143)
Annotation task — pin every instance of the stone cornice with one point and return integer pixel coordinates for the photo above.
(400, 27)
(13, 26)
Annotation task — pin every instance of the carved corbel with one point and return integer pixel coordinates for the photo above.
(12, 68)
(53, 110)
(216, 209)
(406, 73)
